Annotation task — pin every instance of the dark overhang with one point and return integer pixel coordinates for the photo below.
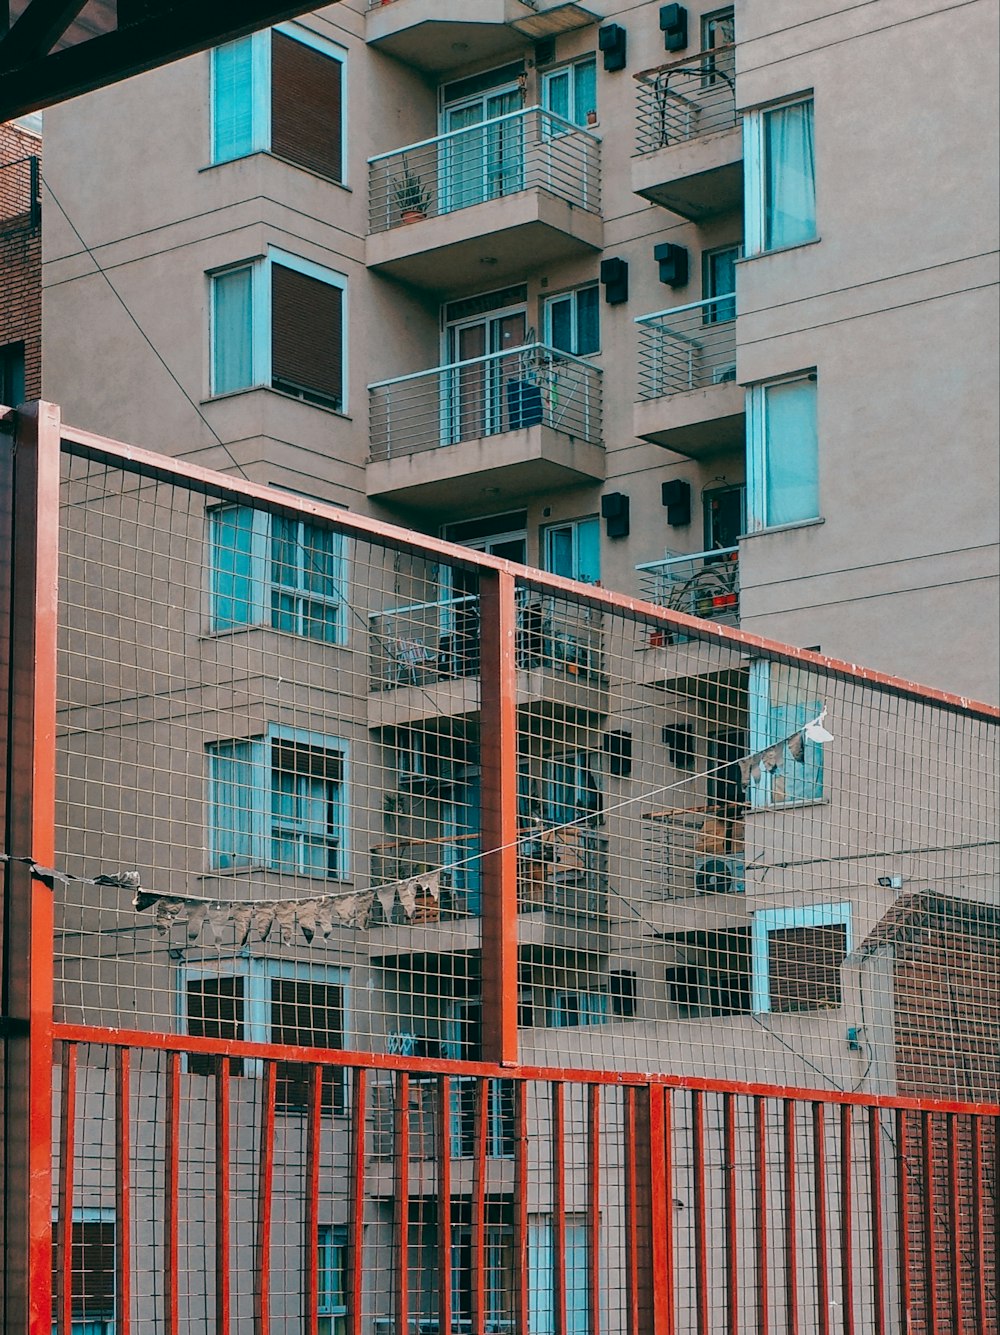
(51, 50)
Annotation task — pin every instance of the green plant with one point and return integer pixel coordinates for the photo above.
(409, 192)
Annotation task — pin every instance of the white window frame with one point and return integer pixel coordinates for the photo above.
(572, 295)
(261, 819)
(766, 921)
(757, 517)
(574, 526)
(754, 161)
(260, 305)
(568, 68)
(260, 92)
(257, 975)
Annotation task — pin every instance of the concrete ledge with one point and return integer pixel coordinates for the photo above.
(697, 178)
(697, 423)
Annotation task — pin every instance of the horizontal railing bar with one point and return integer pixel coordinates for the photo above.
(487, 357)
(424, 607)
(682, 560)
(713, 53)
(691, 306)
(480, 125)
(140, 1040)
(223, 486)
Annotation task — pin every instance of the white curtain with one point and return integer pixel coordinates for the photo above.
(791, 453)
(232, 100)
(790, 193)
(232, 331)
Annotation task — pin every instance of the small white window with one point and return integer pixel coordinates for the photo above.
(281, 91)
(544, 1275)
(780, 176)
(279, 322)
(573, 550)
(571, 321)
(782, 453)
(798, 955)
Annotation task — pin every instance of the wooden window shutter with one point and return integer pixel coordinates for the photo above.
(804, 967)
(215, 1009)
(306, 336)
(308, 1015)
(306, 92)
(93, 1270)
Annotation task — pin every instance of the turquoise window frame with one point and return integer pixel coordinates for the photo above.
(766, 921)
(760, 490)
(251, 845)
(542, 1275)
(770, 722)
(756, 125)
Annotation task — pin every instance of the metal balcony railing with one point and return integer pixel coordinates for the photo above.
(534, 385)
(686, 99)
(524, 150)
(703, 584)
(688, 347)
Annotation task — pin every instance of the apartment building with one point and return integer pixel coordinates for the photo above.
(604, 292)
(20, 264)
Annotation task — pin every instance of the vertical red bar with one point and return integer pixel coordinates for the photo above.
(954, 1225)
(903, 1219)
(659, 1298)
(929, 1221)
(67, 1154)
(520, 1207)
(631, 1213)
(265, 1188)
(171, 1196)
(480, 1124)
(594, 1209)
(847, 1217)
(730, 1211)
(444, 1202)
(978, 1224)
(314, 1127)
(32, 466)
(700, 1211)
(791, 1224)
(760, 1207)
(498, 758)
(123, 1193)
(401, 1279)
(877, 1223)
(222, 1279)
(356, 1216)
(559, 1206)
(819, 1193)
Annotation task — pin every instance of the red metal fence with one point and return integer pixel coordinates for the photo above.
(430, 944)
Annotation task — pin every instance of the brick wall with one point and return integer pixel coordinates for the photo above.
(20, 253)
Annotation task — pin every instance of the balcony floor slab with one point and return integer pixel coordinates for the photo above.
(696, 178)
(425, 33)
(698, 423)
(454, 250)
(504, 466)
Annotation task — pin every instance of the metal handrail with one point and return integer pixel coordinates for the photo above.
(567, 126)
(687, 347)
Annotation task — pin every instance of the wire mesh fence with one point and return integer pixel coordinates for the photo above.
(376, 855)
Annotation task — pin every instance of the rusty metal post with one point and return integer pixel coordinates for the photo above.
(498, 749)
(31, 464)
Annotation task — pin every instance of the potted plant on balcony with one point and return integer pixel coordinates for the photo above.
(411, 196)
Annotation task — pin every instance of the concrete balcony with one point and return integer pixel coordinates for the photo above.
(512, 422)
(424, 663)
(689, 148)
(527, 183)
(689, 400)
(436, 35)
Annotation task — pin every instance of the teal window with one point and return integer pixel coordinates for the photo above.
(281, 91)
(782, 701)
(92, 1243)
(719, 281)
(571, 321)
(278, 801)
(571, 789)
(573, 550)
(782, 453)
(12, 374)
(798, 954)
(780, 177)
(570, 91)
(233, 330)
(278, 571)
(332, 1291)
(578, 1010)
(543, 1276)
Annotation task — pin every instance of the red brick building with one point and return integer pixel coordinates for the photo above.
(20, 264)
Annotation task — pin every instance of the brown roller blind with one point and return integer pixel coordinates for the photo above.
(306, 106)
(215, 1008)
(804, 967)
(306, 336)
(93, 1265)
(308, 1015)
